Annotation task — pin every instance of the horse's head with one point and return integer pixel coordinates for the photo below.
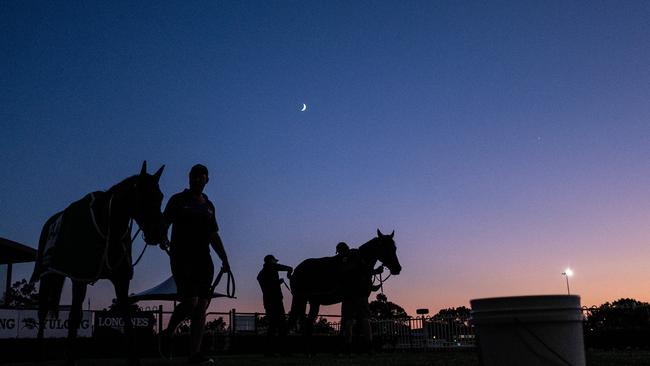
(147, 199)
(387, 252)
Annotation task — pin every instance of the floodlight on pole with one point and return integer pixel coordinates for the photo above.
(567, 273)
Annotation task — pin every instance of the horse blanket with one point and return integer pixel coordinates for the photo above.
(329, 280)
(74, 242)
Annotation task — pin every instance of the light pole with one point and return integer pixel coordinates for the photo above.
(567, 273)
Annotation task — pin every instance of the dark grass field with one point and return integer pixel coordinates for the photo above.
(451, 358)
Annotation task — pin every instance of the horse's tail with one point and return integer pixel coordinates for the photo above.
(42, 240)
(298, 304)
(297, 312)
(51, 284)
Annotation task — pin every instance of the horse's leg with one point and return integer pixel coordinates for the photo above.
(309, 322)
(121, 286)
(43, 303)
(314, 308)
(49, 293)
(74, 320)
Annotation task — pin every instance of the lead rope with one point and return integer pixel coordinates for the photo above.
(230, 281)
(143, 249)
(108, 233)
(106, 236)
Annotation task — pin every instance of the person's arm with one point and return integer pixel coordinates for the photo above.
(217, 245)
(168, 217)
(215, 239)
(281, 267)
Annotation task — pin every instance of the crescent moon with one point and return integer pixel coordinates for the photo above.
(304, 107)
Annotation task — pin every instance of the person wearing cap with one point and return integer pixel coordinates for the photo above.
(194, 229)
(342, 249)
(270, 282)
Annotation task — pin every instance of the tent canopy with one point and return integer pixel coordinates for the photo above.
(12, 252)
(165, 291)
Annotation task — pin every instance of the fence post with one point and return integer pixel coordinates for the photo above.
(233, 325)
(160, 319)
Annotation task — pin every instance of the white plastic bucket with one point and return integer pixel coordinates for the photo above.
(529, 330)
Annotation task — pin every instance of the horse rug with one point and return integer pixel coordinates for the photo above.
(74, 242)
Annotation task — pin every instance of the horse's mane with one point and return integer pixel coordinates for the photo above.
(367, 245)
(123, 184)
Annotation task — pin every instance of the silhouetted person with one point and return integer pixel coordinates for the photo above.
(342, 250)
(194, 230)
(270, 283)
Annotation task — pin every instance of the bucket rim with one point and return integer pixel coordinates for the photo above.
(525, 297)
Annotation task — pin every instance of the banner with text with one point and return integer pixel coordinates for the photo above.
(112, 321)
(24, 324)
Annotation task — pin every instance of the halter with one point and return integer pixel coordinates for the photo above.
(381, 281)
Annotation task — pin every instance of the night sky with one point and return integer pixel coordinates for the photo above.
(502, 141)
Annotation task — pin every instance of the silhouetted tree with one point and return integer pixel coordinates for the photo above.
(623, 313)
(217, 325)
(23, 294)
(460, 314)
(323, 326)
(133, 308)
(384, 309)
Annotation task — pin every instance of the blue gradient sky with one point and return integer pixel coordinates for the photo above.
(502, 141)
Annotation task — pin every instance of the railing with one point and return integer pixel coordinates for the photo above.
(618, 326)
(424, 333)
(404, 333)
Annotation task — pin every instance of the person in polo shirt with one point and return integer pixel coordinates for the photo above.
(194, 229)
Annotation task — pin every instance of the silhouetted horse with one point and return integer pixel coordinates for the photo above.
(341, 279)
(91, 240)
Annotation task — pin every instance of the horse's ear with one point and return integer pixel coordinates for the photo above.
(143, 171)
(379, 234)
(392, 234)
(158, 173)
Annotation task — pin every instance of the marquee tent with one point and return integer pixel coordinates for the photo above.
(167, 290)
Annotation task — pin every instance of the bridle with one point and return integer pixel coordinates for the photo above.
(381, 279)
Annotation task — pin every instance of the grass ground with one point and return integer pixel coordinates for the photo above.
(451, 358)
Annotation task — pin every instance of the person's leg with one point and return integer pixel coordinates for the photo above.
(283, 330)
(202, 274)
(347, 325)
(182, 273)
(363, 320)
(271, 317)
(197, 326)
(180, 313)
